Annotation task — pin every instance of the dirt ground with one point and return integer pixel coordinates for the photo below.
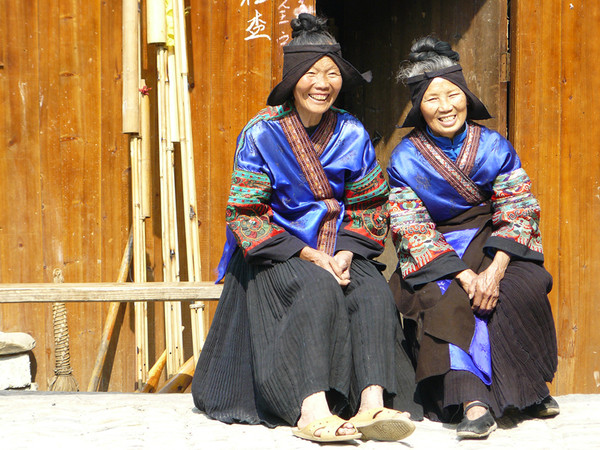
(111, 421)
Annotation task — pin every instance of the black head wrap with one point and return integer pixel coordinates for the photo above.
(297, 59)
(418, 84)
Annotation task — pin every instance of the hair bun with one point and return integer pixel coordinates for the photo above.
(307, 23)
(430, 47)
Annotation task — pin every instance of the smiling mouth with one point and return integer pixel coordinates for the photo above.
(319, 97)
(447, 119)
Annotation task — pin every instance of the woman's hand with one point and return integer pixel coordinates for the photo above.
(484, 289)
(328, 263)
(344, 260)
(465, 279)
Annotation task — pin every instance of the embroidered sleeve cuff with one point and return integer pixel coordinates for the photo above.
(444, 266)
(514, 248)
(278, 248)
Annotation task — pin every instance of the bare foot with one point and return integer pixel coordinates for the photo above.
(314, 407)
(475, 412)
(372, 397)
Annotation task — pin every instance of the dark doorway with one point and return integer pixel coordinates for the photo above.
(377, 36)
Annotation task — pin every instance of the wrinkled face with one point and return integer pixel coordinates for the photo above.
(316, 91)
(444, 108)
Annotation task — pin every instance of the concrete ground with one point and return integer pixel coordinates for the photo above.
(111, 421)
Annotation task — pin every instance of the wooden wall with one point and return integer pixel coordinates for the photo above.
(554, 93)
(65, 171)
(65, 199)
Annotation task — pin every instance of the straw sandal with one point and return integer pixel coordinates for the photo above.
(329, 428)
(476, 428)
(383, 424)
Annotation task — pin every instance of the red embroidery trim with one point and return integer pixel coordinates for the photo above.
(456, 174)
(307, 153)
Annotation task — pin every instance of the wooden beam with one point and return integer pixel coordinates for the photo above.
(108, 292)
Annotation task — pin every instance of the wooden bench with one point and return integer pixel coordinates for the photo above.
(108, 292)
(116, 293)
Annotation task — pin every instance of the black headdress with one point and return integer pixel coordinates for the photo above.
(297, 59)
(418, 84)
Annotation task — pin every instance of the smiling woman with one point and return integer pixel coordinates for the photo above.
(317, 90)
(306, 330)
(444, 108)
(466, 229)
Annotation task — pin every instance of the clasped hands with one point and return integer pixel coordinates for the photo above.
(337, 265)
(484, 289)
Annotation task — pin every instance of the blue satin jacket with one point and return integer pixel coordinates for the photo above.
(290, 190)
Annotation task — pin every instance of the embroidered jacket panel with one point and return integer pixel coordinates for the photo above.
(427, 191)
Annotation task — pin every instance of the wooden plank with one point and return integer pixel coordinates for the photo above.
(78, 193)
(51, 174)
(535, 126)
(115, 203)
(258, 56)
(20, 181)
(107, 292)
(201, 68)
(3, 31)
(226, 58)
(20, 218)
(579, 206)
(553, 98)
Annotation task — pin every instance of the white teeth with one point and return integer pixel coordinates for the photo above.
(318, 97)
(447, 119)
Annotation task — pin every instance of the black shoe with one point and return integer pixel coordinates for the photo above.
(546, 408)
(477, 428)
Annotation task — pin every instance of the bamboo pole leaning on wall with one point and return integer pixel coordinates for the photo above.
(198, 315)
(145, 154)
(168, 133)
(132, 125)
(181, 380)
(154, 374)
(111, 319)
(131, 69)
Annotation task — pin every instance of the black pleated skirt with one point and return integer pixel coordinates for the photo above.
(523, 348)
(286, 331)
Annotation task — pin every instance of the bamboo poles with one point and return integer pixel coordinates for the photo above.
(181, 380)
(131, 68)
(187, 169)
(167, 30)
(168, 133)
(154, 374)
(139, 266)
(132, 85)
